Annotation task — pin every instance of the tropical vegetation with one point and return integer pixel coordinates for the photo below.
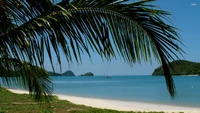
(67, 73)
(34, 30)
(180, 67)
(22, 103)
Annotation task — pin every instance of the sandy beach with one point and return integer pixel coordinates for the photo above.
(120, 105)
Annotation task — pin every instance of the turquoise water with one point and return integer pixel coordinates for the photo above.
(150, 89)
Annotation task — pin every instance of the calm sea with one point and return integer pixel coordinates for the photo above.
(151, 89)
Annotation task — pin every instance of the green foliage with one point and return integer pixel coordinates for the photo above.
(22, 103)
(87, 74)
(53, 73)
(180, 67)
(34, 30)
(46, 111)
(30, 77)
(67, 73)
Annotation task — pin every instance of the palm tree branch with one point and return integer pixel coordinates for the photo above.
(15, 72)
(130, 30)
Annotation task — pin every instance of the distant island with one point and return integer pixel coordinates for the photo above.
(180, 67)
(88, 74)
(36, 70)
(67, 73)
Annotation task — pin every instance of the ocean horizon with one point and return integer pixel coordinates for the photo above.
(149, 89)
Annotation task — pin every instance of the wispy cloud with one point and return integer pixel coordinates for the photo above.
(193, 4)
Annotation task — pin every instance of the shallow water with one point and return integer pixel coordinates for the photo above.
(150, 89)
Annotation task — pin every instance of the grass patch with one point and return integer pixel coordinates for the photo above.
(23, 103)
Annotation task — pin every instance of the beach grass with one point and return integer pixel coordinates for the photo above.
(24, 103)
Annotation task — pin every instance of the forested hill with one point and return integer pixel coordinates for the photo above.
(67, 73)
(181, 67)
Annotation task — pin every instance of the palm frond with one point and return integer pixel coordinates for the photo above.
(22, 74)
(136, 31)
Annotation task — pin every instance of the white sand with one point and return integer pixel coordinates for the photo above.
(121, 105)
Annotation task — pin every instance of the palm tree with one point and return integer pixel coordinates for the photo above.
(135, 31)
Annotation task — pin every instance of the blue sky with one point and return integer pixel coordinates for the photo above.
(185, 16)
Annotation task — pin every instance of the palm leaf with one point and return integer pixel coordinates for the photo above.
(22, 74)
(136, 31)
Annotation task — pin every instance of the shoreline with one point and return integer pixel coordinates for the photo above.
(119, 105)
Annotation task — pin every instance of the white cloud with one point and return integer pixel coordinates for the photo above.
(193, 4)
